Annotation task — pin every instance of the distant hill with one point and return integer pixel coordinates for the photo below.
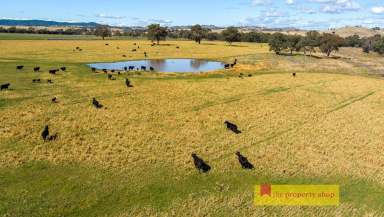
(356, 30)
(9, 22)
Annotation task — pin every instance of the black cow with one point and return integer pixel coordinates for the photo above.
(143, 68)
(63, 69)
(93, 69)
(45, 133)
(134, 50)
(19, 67)
(294, 74)
(245, 164)
(49, 81)
(128, 83)
(113, 71)
(36, 69)
(177, 47)
(124, 55)
(36, 80)
(54, 100)
(105, 71)
(145, 54)
(5, 86)
(151, 68)
(125, 68)
(131, 68)
(232, 127)
(200, 165)
(53, 71)
(227, 66)
(109, 76)
(96, 104)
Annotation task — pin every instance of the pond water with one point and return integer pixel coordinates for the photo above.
(164, 65)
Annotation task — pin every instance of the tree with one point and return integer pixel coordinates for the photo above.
(330, 42)
(378, 46)
(231, 34)
(353, 41)
(157, 33)
(310, 42)
(103, 31)
(198, 33)
(293, 43)
(278, 42)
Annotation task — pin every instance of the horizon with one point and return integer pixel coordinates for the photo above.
(300, 14)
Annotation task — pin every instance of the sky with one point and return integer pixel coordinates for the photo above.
(304, 14)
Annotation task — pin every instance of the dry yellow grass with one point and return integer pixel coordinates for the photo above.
(314, 125)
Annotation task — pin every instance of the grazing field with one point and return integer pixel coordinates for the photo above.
(133, 156)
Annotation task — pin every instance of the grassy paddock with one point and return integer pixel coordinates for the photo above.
(133, 157)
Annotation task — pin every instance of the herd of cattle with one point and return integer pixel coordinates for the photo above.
(199, 163)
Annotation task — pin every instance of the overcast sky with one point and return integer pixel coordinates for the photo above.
(308, 14)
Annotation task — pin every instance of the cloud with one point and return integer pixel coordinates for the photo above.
(338, 6)
(260, 2)
(378, 10)
(109, 16)
(290, 2)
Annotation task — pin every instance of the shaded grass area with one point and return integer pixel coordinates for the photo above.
(42, 189)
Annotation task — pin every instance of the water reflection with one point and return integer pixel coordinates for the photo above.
(165, 65)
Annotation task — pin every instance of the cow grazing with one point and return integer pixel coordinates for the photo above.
(245, 164)
(145, 54)
(128, 83)
(19, 67)
(232, 127)
(134, 50)
(54, 100)
(36, 69)
(124, 55)
(143, 68)
(106, 44)
(5, 86)
(96, 104)
(63, 69)
(53, 71)
(294, 74)
(113, 71)
(36, 80)
(125, 68)
(45, 133)
(49, 81)
(200, 165)
(134, 44)
(93, 69)
(105, 71)
(131, 68)
(227, 66)
(151, 68)
(119, 73)
(177, 47)
(109, 76)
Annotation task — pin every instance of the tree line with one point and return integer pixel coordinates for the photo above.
(279, 43)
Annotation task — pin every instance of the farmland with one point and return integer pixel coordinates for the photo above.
(132, 158)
